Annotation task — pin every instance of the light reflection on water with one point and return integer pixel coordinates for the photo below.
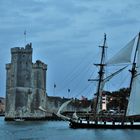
(59, 130)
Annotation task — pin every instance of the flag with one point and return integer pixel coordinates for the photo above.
(54, 85)
(25, 32)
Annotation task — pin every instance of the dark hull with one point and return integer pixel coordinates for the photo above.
(75, 125)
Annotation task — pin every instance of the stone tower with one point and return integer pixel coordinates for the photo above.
(25, 85)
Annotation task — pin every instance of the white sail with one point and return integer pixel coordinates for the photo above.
(42, 109)
(134, 100)
(61, 108)
(124, 55)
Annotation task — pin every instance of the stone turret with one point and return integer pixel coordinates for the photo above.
(25, 84)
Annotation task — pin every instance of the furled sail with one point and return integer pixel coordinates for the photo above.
(134, 100)
(61, 108)
(99, 107)
(74, 116)
(124, 55)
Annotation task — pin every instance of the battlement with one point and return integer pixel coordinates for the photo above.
(8, 66)
(27, 49)
(40, 64)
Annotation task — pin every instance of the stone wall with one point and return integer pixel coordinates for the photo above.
(2, 106)
(53, 104)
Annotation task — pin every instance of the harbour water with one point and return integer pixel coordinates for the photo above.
(59, 130)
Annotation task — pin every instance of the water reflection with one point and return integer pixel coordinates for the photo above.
(59, 130)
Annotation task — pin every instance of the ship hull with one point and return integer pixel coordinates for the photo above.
(107, 125)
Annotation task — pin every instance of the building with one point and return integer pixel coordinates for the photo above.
(25, 85)
(104, 102)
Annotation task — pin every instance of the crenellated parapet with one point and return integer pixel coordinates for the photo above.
(8, 66)
(40, 65)
(27, 49)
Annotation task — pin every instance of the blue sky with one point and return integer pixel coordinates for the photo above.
(66, 34)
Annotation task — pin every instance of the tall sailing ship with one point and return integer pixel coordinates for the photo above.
(129, 54)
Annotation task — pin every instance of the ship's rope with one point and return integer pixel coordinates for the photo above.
(77, 75)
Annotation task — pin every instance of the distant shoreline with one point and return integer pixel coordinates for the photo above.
(49, 118)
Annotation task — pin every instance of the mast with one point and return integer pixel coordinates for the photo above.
(25, 37)
(101, 74)
(133, 72)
